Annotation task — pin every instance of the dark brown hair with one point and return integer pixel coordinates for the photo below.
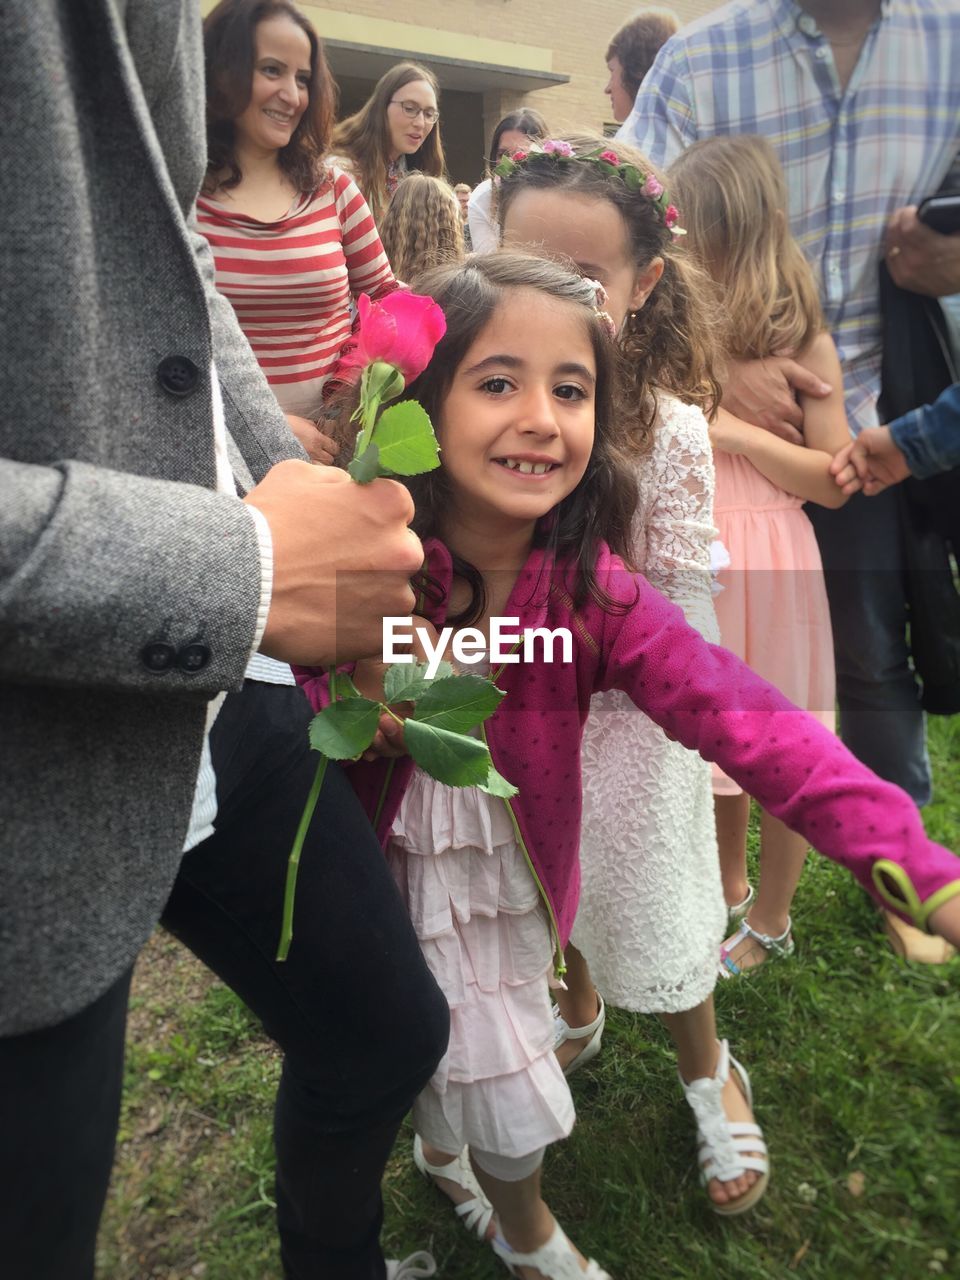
(670, 343)
(638, 42)
(601, 507)
(364, 138)
(422, 227)
(525, 121)
(229, 43)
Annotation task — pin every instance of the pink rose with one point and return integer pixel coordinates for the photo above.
(672, 216)
(611, 157)
(518, 157)
(553, 146)
(402, 329)
(653, 188)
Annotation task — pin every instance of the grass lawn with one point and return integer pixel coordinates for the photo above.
(855, 1059)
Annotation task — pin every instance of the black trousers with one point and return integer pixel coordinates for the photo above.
(356, 1012)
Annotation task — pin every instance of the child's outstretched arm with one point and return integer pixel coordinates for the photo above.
(796, 768)
(800, 469)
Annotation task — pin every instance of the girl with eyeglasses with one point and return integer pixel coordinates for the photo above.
(397, 129)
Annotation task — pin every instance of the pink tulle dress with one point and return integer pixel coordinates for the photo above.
(485, 935)
(772, 608)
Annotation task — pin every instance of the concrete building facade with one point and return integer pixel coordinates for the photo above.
(489, 56)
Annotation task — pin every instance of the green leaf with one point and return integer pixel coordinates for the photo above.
(366, 467)
(344, 729)
(497, 785)
(406, 681)
(458, 703)
(631, 177)
(452, 758)
(405, 439)
(342, 687)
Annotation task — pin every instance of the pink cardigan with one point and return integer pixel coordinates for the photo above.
(698, 693)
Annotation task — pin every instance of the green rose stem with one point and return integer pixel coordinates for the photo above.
(293, 863)
(446, 708)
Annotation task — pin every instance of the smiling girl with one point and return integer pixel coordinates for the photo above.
(652, 914)
(527, 374)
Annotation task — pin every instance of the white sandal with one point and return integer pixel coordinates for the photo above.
(739, 909)
(781, 946)
(475, 1214)
(555, 1259)
(419, 1264)
(725, 1149)
(592, 1033)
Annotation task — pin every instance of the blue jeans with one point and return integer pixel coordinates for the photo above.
(881, 720)
(356, 1011)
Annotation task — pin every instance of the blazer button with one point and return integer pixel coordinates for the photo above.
(177, 375)
(158, 656)
(193, 657)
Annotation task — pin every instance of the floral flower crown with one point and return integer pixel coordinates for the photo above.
(609, 163)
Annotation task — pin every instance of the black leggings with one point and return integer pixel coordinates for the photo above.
(355, 1010)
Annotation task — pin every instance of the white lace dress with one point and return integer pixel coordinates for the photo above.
(652, 914)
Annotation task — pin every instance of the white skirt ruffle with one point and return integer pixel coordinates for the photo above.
(485, 935)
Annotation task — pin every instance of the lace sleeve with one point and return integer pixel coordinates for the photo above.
(674, 524)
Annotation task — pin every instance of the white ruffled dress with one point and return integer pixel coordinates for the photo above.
(485, 934)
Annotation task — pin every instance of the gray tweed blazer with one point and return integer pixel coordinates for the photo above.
(128, 588)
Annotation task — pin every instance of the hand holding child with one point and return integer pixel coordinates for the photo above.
(764, 392)
(872, 463)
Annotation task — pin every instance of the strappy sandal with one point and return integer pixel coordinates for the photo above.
(592, 1033)
(725, 1148)
(476, 1213)
(556, 1259)
(419, 1264)
(739, 909)
(781, 947)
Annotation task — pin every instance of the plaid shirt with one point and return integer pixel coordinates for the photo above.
(851, 158)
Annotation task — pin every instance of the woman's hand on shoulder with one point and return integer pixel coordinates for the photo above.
(319, 447)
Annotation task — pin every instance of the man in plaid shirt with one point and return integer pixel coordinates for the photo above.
(861, 101)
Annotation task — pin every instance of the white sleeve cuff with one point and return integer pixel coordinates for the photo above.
(265, 539)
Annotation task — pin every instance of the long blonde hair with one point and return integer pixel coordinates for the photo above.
(364, 138)
(733, 200)
(422, 228)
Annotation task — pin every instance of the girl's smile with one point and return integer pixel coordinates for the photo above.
(517, 424)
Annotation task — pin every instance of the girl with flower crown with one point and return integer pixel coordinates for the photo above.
(524, 519)
(773, 608)
(652, 915)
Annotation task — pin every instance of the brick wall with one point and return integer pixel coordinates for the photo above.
(577, 31)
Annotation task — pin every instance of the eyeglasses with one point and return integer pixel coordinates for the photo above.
(413, 109)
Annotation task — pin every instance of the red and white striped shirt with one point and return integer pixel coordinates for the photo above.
(291, 282)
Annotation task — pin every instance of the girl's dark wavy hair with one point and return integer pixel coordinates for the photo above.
(671, 343)
(601, 507)
(229, 46)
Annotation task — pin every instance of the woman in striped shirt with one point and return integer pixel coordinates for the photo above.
(292, 239)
